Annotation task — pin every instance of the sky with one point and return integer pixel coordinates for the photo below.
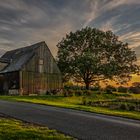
(25, 22)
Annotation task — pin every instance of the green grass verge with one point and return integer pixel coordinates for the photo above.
(11, 129)
(75, 103)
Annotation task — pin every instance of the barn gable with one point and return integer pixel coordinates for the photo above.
(42, 53)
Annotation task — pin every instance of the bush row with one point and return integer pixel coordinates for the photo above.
(114, 104)
(69, 93)
(126, 106)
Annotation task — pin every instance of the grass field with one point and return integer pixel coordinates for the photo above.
(98, 103)
(11, 129)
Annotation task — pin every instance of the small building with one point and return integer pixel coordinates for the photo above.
(29, 70)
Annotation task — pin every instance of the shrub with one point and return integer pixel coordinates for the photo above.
(108, 91)
(114, 106)
(122, 89)
(88, 92)
(135, 90)
(123, 106)
(70, 92)
(90, 103)
(78, 92)
(131, 107)
(110, 88)
(95, 88)
(48, 93)
(84, 100)
(99, 92)
(67, 93)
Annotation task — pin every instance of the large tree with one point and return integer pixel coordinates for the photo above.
(90, 55)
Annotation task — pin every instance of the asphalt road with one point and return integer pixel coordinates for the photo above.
(80, 124)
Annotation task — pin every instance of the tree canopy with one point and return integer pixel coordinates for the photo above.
(90, 55)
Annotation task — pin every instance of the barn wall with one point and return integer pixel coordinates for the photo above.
(41, 73)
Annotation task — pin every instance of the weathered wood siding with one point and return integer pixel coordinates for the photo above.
(41, 73)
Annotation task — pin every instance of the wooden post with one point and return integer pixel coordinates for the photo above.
(20, 83)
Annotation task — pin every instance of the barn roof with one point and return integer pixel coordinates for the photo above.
(4, 60)
(18, 57)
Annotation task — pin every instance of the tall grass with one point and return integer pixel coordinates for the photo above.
(11, 129)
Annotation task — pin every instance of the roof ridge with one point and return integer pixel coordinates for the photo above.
(20, 56)
(26, 46)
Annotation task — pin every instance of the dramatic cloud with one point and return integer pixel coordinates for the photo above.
(24, 22)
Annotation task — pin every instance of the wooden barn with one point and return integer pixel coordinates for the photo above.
(29, 70)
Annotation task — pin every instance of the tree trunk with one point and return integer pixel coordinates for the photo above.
(87, 85)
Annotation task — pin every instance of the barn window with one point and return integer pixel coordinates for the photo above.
(40, 61)
(40, 66)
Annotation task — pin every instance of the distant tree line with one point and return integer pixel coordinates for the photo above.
(135, 88)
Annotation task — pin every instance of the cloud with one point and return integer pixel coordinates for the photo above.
(33, 21)
(120, 16)
(26, 22)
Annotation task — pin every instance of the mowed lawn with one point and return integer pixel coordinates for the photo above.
(98, 103)
(11, 129)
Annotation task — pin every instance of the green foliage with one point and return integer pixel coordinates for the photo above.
(123, 106)
(88, 92)
(11, 129)
(122, 89)
(84, 100)
(79, 93)
(68, 93)
(118, 103)
(109, 89)
(135, 88)
(100, 103)
(90, 55)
